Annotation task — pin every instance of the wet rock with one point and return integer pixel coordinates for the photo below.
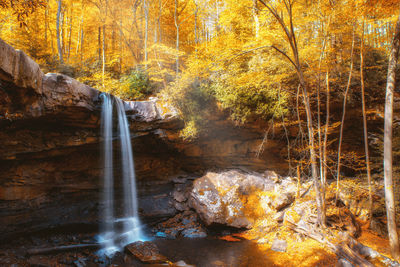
(283, 200)
(184, 224)
(194, 233)
(224, 197)
(146, 252)
(81, 262)
(180, 196)
(41, 261)
(279, 245)
(217, 196)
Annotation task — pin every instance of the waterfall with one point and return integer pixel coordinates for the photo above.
(131, 224)
(113, 237)
(107, 213)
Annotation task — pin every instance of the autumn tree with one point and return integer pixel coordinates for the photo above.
(295, 60)
(22, 8)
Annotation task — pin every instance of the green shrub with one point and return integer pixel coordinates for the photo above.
(135, 85)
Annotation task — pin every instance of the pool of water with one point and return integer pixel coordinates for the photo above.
(212, 252)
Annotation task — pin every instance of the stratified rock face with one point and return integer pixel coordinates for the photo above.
(50, 150)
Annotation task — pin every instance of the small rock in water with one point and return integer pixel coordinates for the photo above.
(146, 252)
(194, 233)
(279, 245)
(80, 262)
(161, 234)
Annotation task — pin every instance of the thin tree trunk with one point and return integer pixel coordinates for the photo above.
(82, 39)
(365, 126)
(388, 152)
(298, 116)
(286, 132)
(328, 96)
(104, 41)
(319, 111)
(62, 28)
(70, 35)
(256, 19)
(159, 21)
(321, 212)
(104, 54)
(155, 31)
(146, 31)
(321, 158)
(177, 38)
(120, 46)
(99, 44)
(46, 22)
(343, 118)
(196, 37)
(60, 54)
(79, 34)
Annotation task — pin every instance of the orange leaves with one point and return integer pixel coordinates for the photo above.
(22, 9)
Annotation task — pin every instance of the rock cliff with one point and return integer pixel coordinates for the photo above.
(50, 156)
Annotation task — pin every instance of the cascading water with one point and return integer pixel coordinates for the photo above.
(113, 238)
(107, 224)
(131, 224)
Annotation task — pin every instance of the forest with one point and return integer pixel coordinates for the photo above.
(316, 76)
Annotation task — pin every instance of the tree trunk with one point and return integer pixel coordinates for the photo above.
(82, 39)
(343, 118)
(286, 132)
(62, 29)
(104, 54)
(146, 31)
(365, 125)
(388, 152)
(177, 38)
(159, 21)
(60, 54)
(196, 37)
(70, 35)
(46, 22)
(325, 160)
(313, 159)
(99, 44)
(256, 19)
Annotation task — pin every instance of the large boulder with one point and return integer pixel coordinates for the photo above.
(238, 199)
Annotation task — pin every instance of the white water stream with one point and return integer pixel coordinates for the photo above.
(113, 238)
